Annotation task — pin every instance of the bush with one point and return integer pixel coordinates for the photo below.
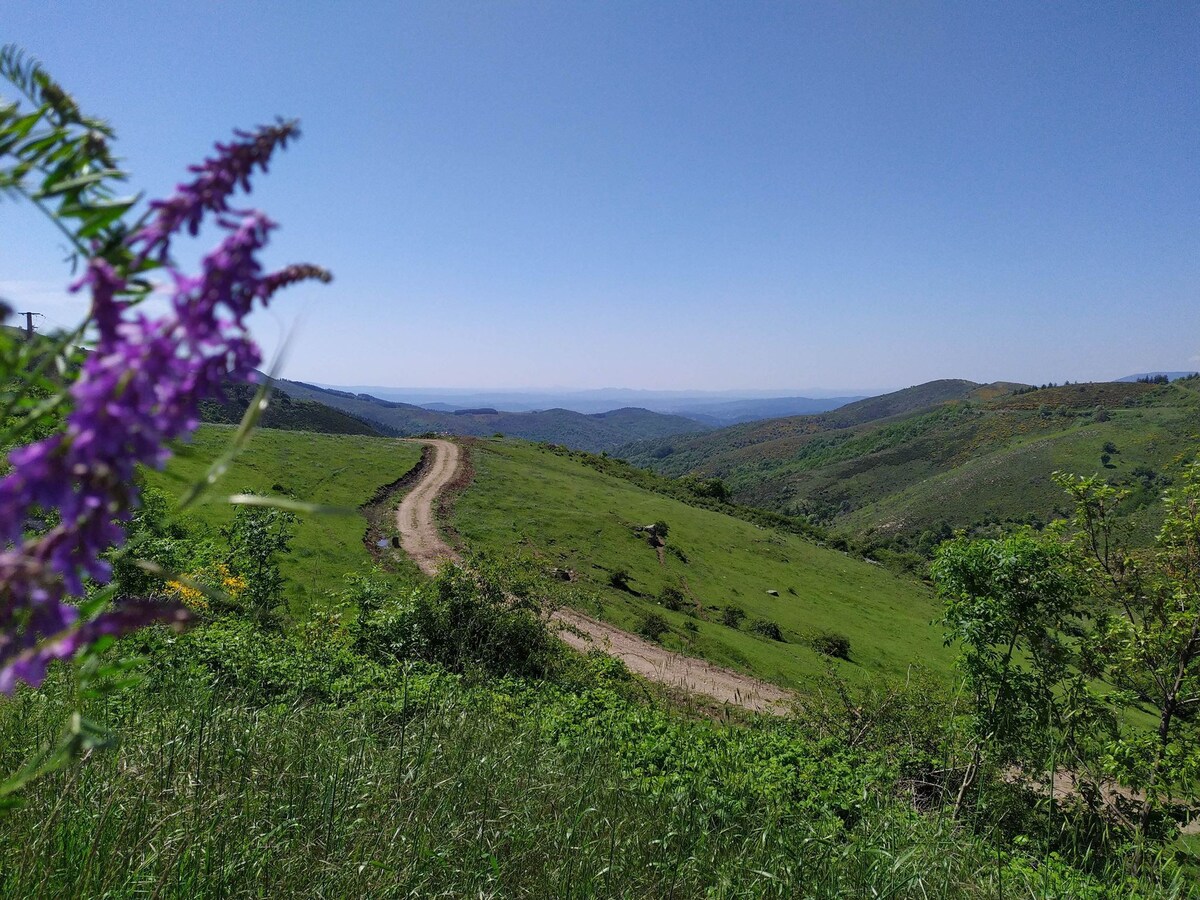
(654, 627)
(713, 488)
(732, 616)
(672, 598)
(832, 644)
(661, 529)
(767, 629)
(484, 618)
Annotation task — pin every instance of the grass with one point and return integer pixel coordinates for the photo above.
(573, 517)
(1007, 478)
(334, 470)
(423, 785)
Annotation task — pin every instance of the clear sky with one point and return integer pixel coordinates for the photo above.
(677, 195)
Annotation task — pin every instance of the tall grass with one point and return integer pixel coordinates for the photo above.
(450, 791)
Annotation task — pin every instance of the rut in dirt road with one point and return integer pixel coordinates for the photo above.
(421, 540)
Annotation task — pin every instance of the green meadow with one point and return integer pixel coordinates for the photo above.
(340, 471)
(528, 498)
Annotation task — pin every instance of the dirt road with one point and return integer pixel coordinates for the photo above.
(414, 518)
(420, 539)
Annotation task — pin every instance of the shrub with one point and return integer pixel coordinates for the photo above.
(767, 629)
(832, 644)
(661, 528)
(654, 627)
(714, 488)
(672, 598)
(257, 537)
(732, 616)
(482, 618)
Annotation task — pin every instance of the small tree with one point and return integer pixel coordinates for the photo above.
(1009, 601)
(255, 537)
(1146, 638)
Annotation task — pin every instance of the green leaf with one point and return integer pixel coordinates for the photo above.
(103, 215)
(52, 187)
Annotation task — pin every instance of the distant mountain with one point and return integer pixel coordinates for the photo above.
(735, 412)
(709, 407)
(596, 432)
(282, 412)
(1171, 376)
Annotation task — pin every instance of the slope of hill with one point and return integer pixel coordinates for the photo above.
(283, 412)
(711, 582)
(342, 471)
(721, 451)
(597, 431)
(966, 462)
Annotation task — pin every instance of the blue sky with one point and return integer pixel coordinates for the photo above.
(677, 195)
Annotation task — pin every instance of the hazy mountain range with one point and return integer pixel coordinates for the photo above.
(715, 408)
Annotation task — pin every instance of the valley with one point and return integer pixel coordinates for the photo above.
(599, 451)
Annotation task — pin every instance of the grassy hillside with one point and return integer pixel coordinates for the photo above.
(573, 517)
(779, 438)
(334, 470)
(965, 462)
(596, 432)
(283, 412)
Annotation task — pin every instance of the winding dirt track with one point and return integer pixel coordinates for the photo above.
(418, 531)
(420, 539)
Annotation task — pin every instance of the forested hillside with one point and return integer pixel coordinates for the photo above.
(980, 458)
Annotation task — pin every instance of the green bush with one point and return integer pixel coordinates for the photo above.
(654, 627)
(478, 618)
(732, 616)
(832, 644)
(672, 598)
(767, 629)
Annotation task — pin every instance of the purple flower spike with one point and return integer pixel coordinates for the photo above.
(138, 391)
(218, 178)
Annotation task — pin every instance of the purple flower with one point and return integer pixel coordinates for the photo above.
(218, 178)
(140, 389)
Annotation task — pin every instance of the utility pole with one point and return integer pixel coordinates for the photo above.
(29, 323)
